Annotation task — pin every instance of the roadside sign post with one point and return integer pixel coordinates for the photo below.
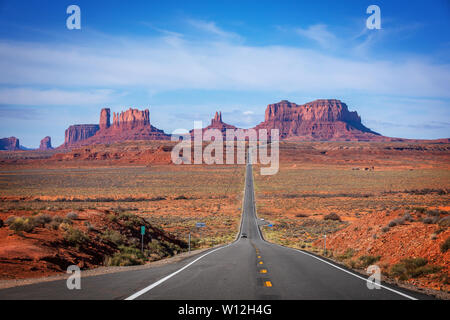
(189, 242)
(200, 225)
(142, 238)
(325, 244)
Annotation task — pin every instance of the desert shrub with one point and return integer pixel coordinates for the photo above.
(413, 268)
(10, 220)
(393, 223)
(301, 215)
(22, 224)
(430, 220)
(434, 213)
(113, 237)
(75, 236)
(385, 229)
(112, 217)
(1, 223)
(420, 209)
(89, 226)
(444, 222)
(365, 261)
(54, 225)
(130, 219)
(127, 256)
(346, 255)
(445, 245)
(72, 216)
(407, 217)
(42, 219)
(332, 216)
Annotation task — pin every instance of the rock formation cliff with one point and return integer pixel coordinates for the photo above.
(46, 144)
(217, 123)
(132, 124)
(79, 132)
(319, 120)
(11, 143)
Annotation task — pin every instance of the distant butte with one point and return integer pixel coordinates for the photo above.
(46, 144)
(319, 120)
(11, 144)
(132, 124)
(218, 124)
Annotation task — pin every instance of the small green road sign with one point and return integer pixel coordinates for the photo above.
(142, 230)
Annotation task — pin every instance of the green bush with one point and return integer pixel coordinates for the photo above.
(413, 268)
(75, 236)
(42, 219)
(19, 224)
(113, 237)
(445, 245)
(127, 256)
(347, 254)
(365, 261)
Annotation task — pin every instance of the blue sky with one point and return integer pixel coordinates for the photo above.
(186, 59)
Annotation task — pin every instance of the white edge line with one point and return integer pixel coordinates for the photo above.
(331, 264)
(157, 283)
(353, 274)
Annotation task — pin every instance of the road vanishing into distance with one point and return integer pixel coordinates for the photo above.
(249, 268)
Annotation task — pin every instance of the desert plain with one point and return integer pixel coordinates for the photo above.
(383, 203)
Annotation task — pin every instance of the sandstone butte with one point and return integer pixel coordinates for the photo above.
(11, 143)
(131, 124)
(218, 124)
(46, 144)
(319, 120)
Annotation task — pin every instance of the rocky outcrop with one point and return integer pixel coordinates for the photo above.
(79, 132)
(132, 124)
(217, 123)
(11, 143)
(319, 120)
(104, 118)
(131, 118)
(46, 144)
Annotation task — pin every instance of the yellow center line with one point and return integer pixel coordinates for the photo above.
(260, 262)
(259, 257)
(267, 284)
(263, 271)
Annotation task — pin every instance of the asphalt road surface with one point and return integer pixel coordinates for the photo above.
(248, 268)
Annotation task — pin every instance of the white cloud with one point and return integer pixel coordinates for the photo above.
(35, 97)
(212, 28)
(170, 63)
(320, 34)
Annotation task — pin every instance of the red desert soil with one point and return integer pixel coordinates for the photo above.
(45, 250)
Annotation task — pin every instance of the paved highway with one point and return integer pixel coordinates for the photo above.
(248, 268)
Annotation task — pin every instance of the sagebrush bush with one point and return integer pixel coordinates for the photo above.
(21, 224)
(113, 236)
(413, 268)
(127, 256)
(75, 236)
(332, 216)
(444, 222)
(445, 245)
(72, 215)
(42, 219)
(365, 261)
(1, 223)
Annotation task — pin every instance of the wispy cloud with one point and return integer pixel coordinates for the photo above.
(320, 34)
(36, 97)
(211, 28)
